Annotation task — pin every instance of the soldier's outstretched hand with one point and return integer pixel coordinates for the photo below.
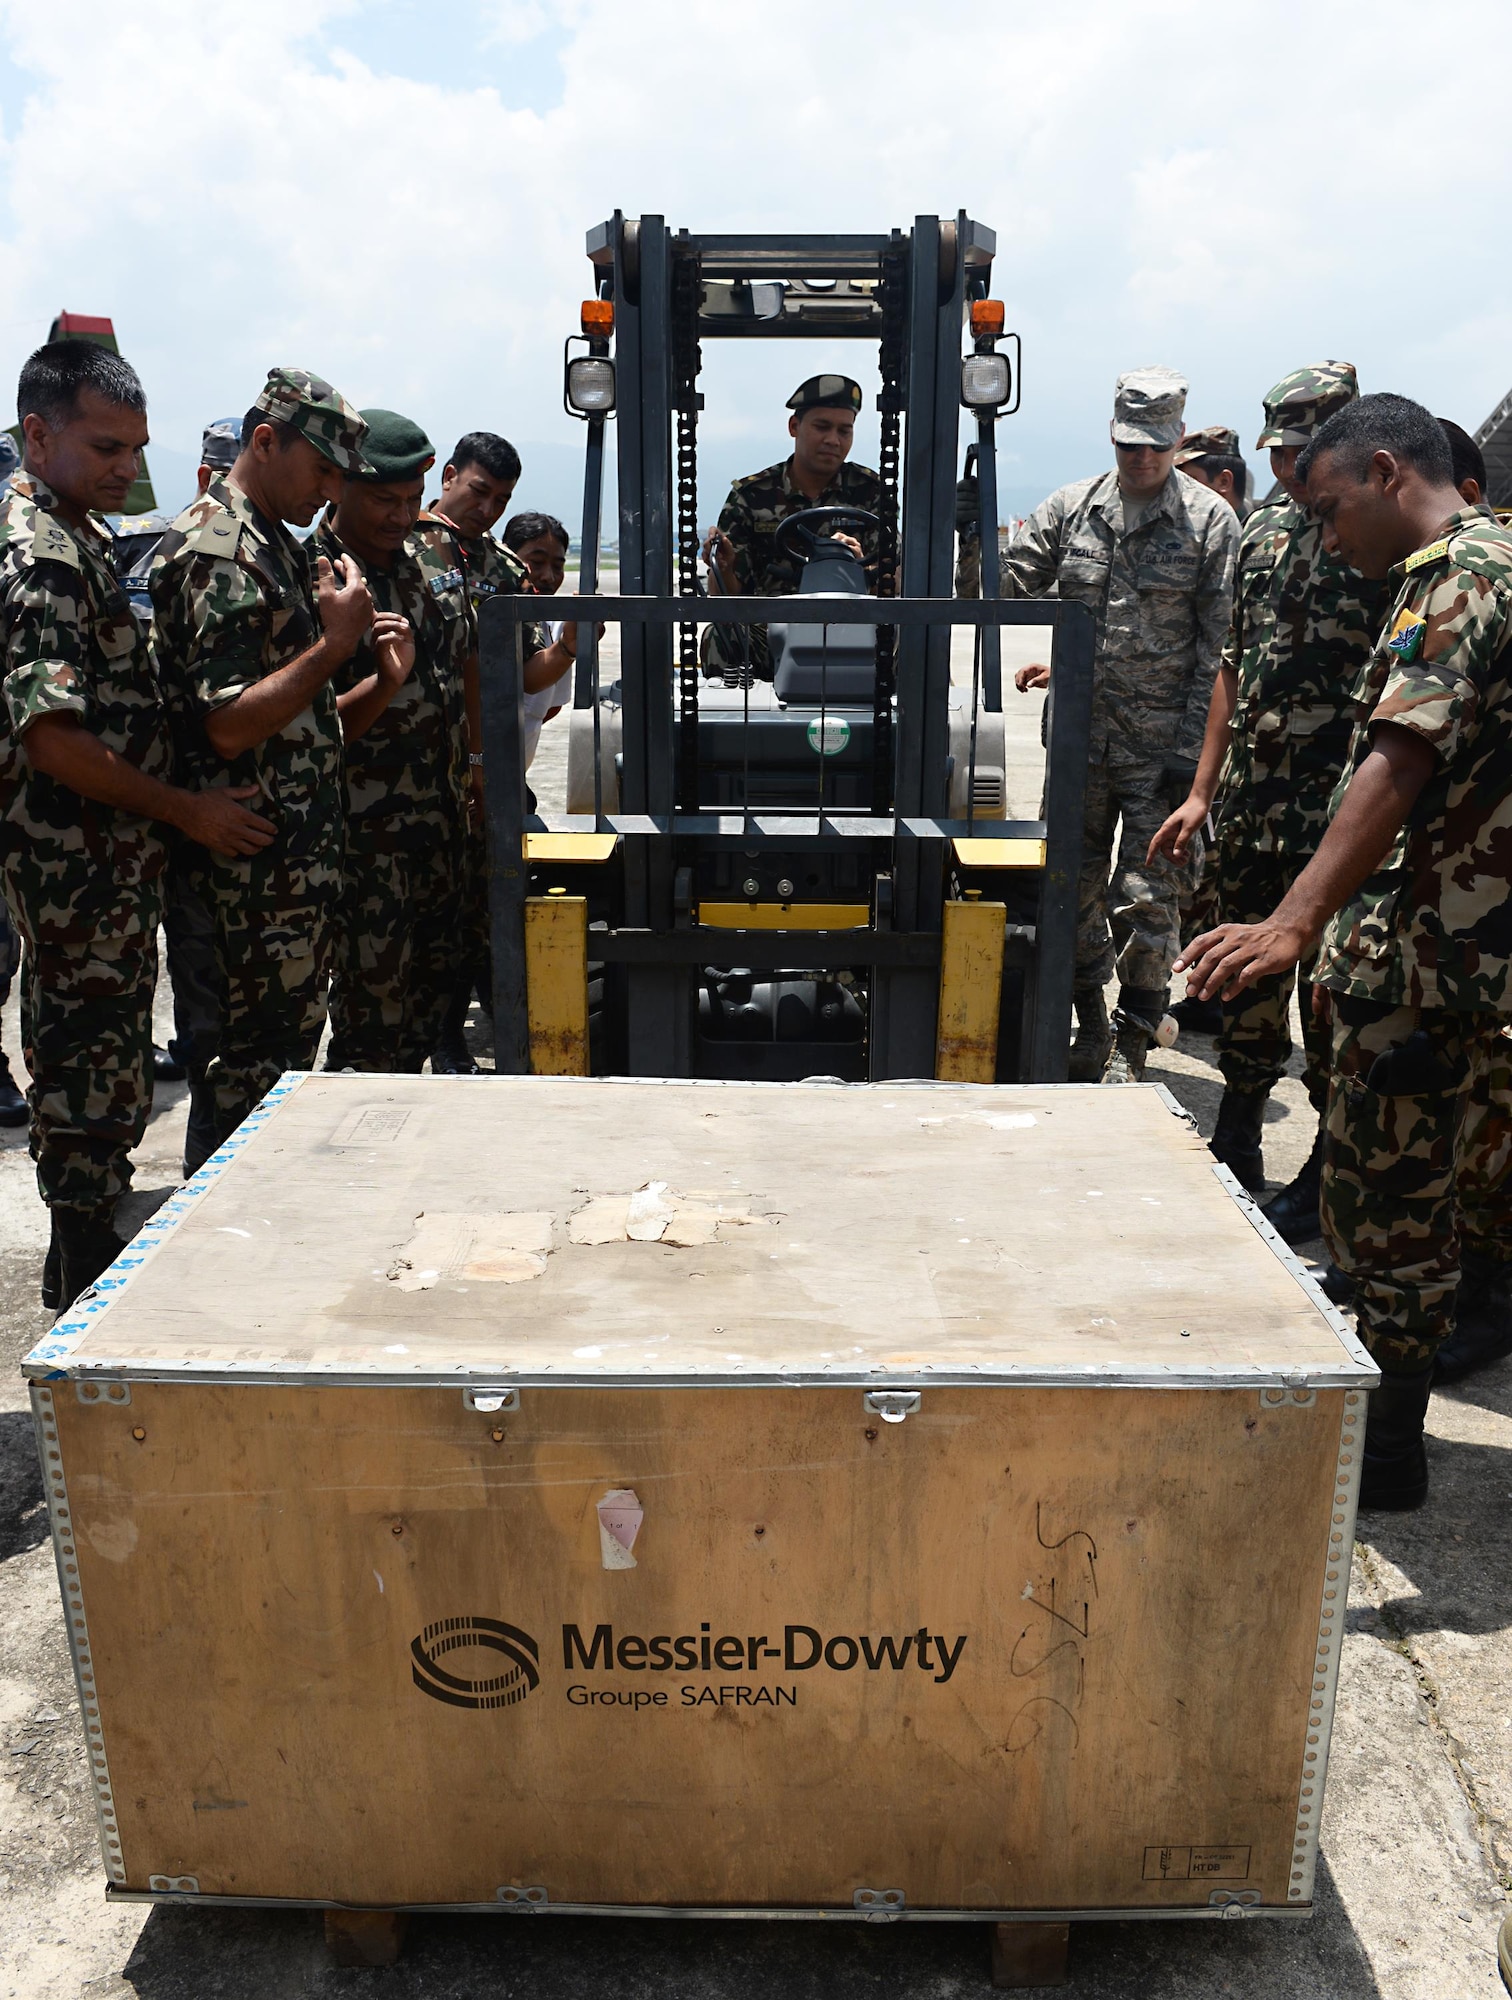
(1035, 675)
(393, 647)
(1225, 961)
(218, 820)
(345, 603)
(1174, 836)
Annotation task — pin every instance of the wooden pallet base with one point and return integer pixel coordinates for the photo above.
(365, 1937)
(1029, 1954)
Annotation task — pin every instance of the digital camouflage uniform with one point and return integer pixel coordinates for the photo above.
(400, 946)
(83, 880)
(1158, 580)
(466, 571)
(1304, 625)
(755, 510)
(1419, 962)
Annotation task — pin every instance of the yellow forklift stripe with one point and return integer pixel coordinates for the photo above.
(569, 846)
(1000, 853)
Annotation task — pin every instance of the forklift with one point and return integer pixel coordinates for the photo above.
(788, 860)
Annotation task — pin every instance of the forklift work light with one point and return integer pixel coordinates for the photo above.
(598, 317)
(590, 385)
(987, 319)
(985, 381)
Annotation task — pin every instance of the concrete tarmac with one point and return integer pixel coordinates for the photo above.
(1417, 1825)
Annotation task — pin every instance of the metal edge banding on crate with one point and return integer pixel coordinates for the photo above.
(1325, 1678)
(65, 1335)
(1250, 1209)
(65, 1554)
(764, 1912)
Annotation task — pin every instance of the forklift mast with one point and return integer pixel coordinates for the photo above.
(910, 292)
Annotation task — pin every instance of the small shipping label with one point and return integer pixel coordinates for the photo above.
(372, 1127)
(1196, 1864)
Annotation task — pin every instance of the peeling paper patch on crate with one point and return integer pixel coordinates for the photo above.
(487, 1249)
(620, 1514)
(659, 1213)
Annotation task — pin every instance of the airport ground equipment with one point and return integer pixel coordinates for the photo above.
(812, 873)
(542, 1494)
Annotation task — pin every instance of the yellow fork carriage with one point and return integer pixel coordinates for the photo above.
(801, 865)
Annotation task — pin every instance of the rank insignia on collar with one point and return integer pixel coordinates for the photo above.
(1407, 635)
(1431, 554)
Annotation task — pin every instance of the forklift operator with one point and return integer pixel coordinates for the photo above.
(741, 552)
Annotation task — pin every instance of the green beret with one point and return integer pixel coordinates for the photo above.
(826, 392)
(395, 448)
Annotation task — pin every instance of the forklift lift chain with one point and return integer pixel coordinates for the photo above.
(687, 298)
(893, 289)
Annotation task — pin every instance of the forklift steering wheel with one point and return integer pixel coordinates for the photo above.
(799, 535)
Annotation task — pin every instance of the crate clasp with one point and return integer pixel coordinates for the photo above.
(491, 1402)
(892, 1406)
(880, 1906)
(510, 1898)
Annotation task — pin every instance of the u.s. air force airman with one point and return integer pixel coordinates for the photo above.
(86, 805)
(1152, 555)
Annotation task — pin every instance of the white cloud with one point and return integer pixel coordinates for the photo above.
(397, 195)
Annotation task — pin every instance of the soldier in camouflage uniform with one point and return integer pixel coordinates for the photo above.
(1409, 893)
(247, 642)
(476, 486)
(1278, 732)
(85, 802)
(1152, 555)
(12, 1104)
(1212, 457)
(742, 551)
(404, 718)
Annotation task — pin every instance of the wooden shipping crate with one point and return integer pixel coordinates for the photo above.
(893, 1499)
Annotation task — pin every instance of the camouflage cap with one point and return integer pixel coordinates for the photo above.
(221, 443)
(395, 447)
(1148, 406)
(308, 404)
(1217, 441)
(1306, 399)
(826, 392)
(10, 457)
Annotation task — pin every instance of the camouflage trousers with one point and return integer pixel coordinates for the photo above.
(10, 953)
(1256, 1042)
(189, 931)
(1416, 1158)
(400, 954)
(1128, 910)
(272, 966)
(86, 1033)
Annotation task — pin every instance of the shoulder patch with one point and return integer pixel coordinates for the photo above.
(219, 536)
(51, 542)
(1406, 634)
(1420, 557)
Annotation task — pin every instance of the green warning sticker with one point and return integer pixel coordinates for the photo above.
(828, 735)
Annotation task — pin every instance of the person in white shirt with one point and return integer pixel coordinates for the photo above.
(540, 541)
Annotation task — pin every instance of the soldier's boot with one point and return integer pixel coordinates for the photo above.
(1482, 1319)
(1394, 1463)
(1236, 1137)
(1094, 1036)
(13, 1109)
(1293, 1213)
(451, 1055)
(200, 1130)
(52, 1269)
(88, 1245)
(1136, 1024)
(1199, 1017)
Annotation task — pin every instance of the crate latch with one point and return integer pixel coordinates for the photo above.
(511, 1898)
(1234, 1902)
(880, 1906)
(174, 1885)
(491, 1402)
(892, 1406)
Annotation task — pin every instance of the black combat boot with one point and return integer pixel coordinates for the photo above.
(13, 1109)
(1293, 1213)
(1199, 1017)
(52, 1269)
(88, 1245)
(1394, 1469)
(1236, 1137)
(166, 1065)
(451, 1056)
(1136, 1026)
(200, 1129)
(1482, 1319)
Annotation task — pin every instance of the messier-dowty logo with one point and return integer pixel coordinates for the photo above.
(796, 1649)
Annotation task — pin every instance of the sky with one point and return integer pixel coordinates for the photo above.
(396, 195)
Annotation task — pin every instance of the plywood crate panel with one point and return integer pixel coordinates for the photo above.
(994, 1473)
